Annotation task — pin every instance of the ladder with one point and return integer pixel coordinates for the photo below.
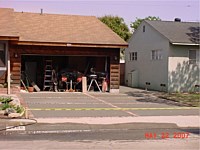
(48, 75)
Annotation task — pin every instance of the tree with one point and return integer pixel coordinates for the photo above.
(118, 25)
(134, 25)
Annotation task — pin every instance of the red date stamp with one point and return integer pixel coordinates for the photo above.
(165, 135)
(181, 135)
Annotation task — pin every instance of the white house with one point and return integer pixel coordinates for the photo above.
(164, 55)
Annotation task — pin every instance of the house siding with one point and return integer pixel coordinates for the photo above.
(153, 71)
(182, 76)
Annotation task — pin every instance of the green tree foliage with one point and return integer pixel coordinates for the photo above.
(134, 25)
(118, 25)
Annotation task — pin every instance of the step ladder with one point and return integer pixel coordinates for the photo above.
(48, 75)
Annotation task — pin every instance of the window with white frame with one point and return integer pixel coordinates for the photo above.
(156, 55)
(2, 54)
(193, 56)
(133, 56)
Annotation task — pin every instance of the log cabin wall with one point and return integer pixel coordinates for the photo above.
(114, 73)
(16, 51)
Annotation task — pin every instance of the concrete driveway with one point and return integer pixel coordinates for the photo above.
(128, 103)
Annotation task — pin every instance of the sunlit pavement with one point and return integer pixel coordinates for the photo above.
(130, 105)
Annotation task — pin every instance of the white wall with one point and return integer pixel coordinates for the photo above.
(173, 70)
(153, 71)
(182, 75)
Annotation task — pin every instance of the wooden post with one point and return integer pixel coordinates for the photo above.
(84, 84)
(8, 69)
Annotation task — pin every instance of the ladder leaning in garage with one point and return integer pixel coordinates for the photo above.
(48, 75)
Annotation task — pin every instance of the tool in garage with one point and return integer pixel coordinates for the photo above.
(54, 80)
(23, 84)
(29, 81)
(93, 78)
(48, 75)
(35, 86)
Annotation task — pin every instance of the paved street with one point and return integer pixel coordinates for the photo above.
(168, 144)
(133, 119)
(131, 136)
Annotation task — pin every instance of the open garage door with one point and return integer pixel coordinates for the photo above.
(65, 72)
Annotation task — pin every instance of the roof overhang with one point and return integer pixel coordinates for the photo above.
(9, 38)
(70, 44)
(186, 44)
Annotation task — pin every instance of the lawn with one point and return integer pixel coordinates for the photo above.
(186, 99)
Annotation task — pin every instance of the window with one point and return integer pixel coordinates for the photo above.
(193, 56)
(130, 56)
(133, 56)
(2, 55)
(156, 55)
(144, 29)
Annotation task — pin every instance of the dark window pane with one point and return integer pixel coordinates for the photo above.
(2, 55)
(192, 54)
(143, 28)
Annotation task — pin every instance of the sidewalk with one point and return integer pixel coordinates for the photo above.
(68, 125)
(181, 121)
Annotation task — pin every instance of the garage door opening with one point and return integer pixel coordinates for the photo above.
(64, 73)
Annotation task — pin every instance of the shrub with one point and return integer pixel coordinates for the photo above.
(19, 109)
(5, 100)
(6, 104)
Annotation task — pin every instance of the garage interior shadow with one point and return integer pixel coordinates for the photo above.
(73, 66)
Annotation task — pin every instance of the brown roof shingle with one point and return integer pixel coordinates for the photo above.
(35, 27)
(7, 25)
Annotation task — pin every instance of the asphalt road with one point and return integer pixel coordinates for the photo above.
(118, 136)
(169, 144)
(125, 131)
(129, 103)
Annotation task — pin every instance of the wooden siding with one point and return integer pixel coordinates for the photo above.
(54, 50)
(112, 53)
(114, 76)
(122, 73)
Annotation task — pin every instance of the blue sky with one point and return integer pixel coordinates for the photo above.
(187, 10)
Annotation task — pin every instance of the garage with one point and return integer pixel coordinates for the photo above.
(69, 46)
(38, 68)
(73, 62)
